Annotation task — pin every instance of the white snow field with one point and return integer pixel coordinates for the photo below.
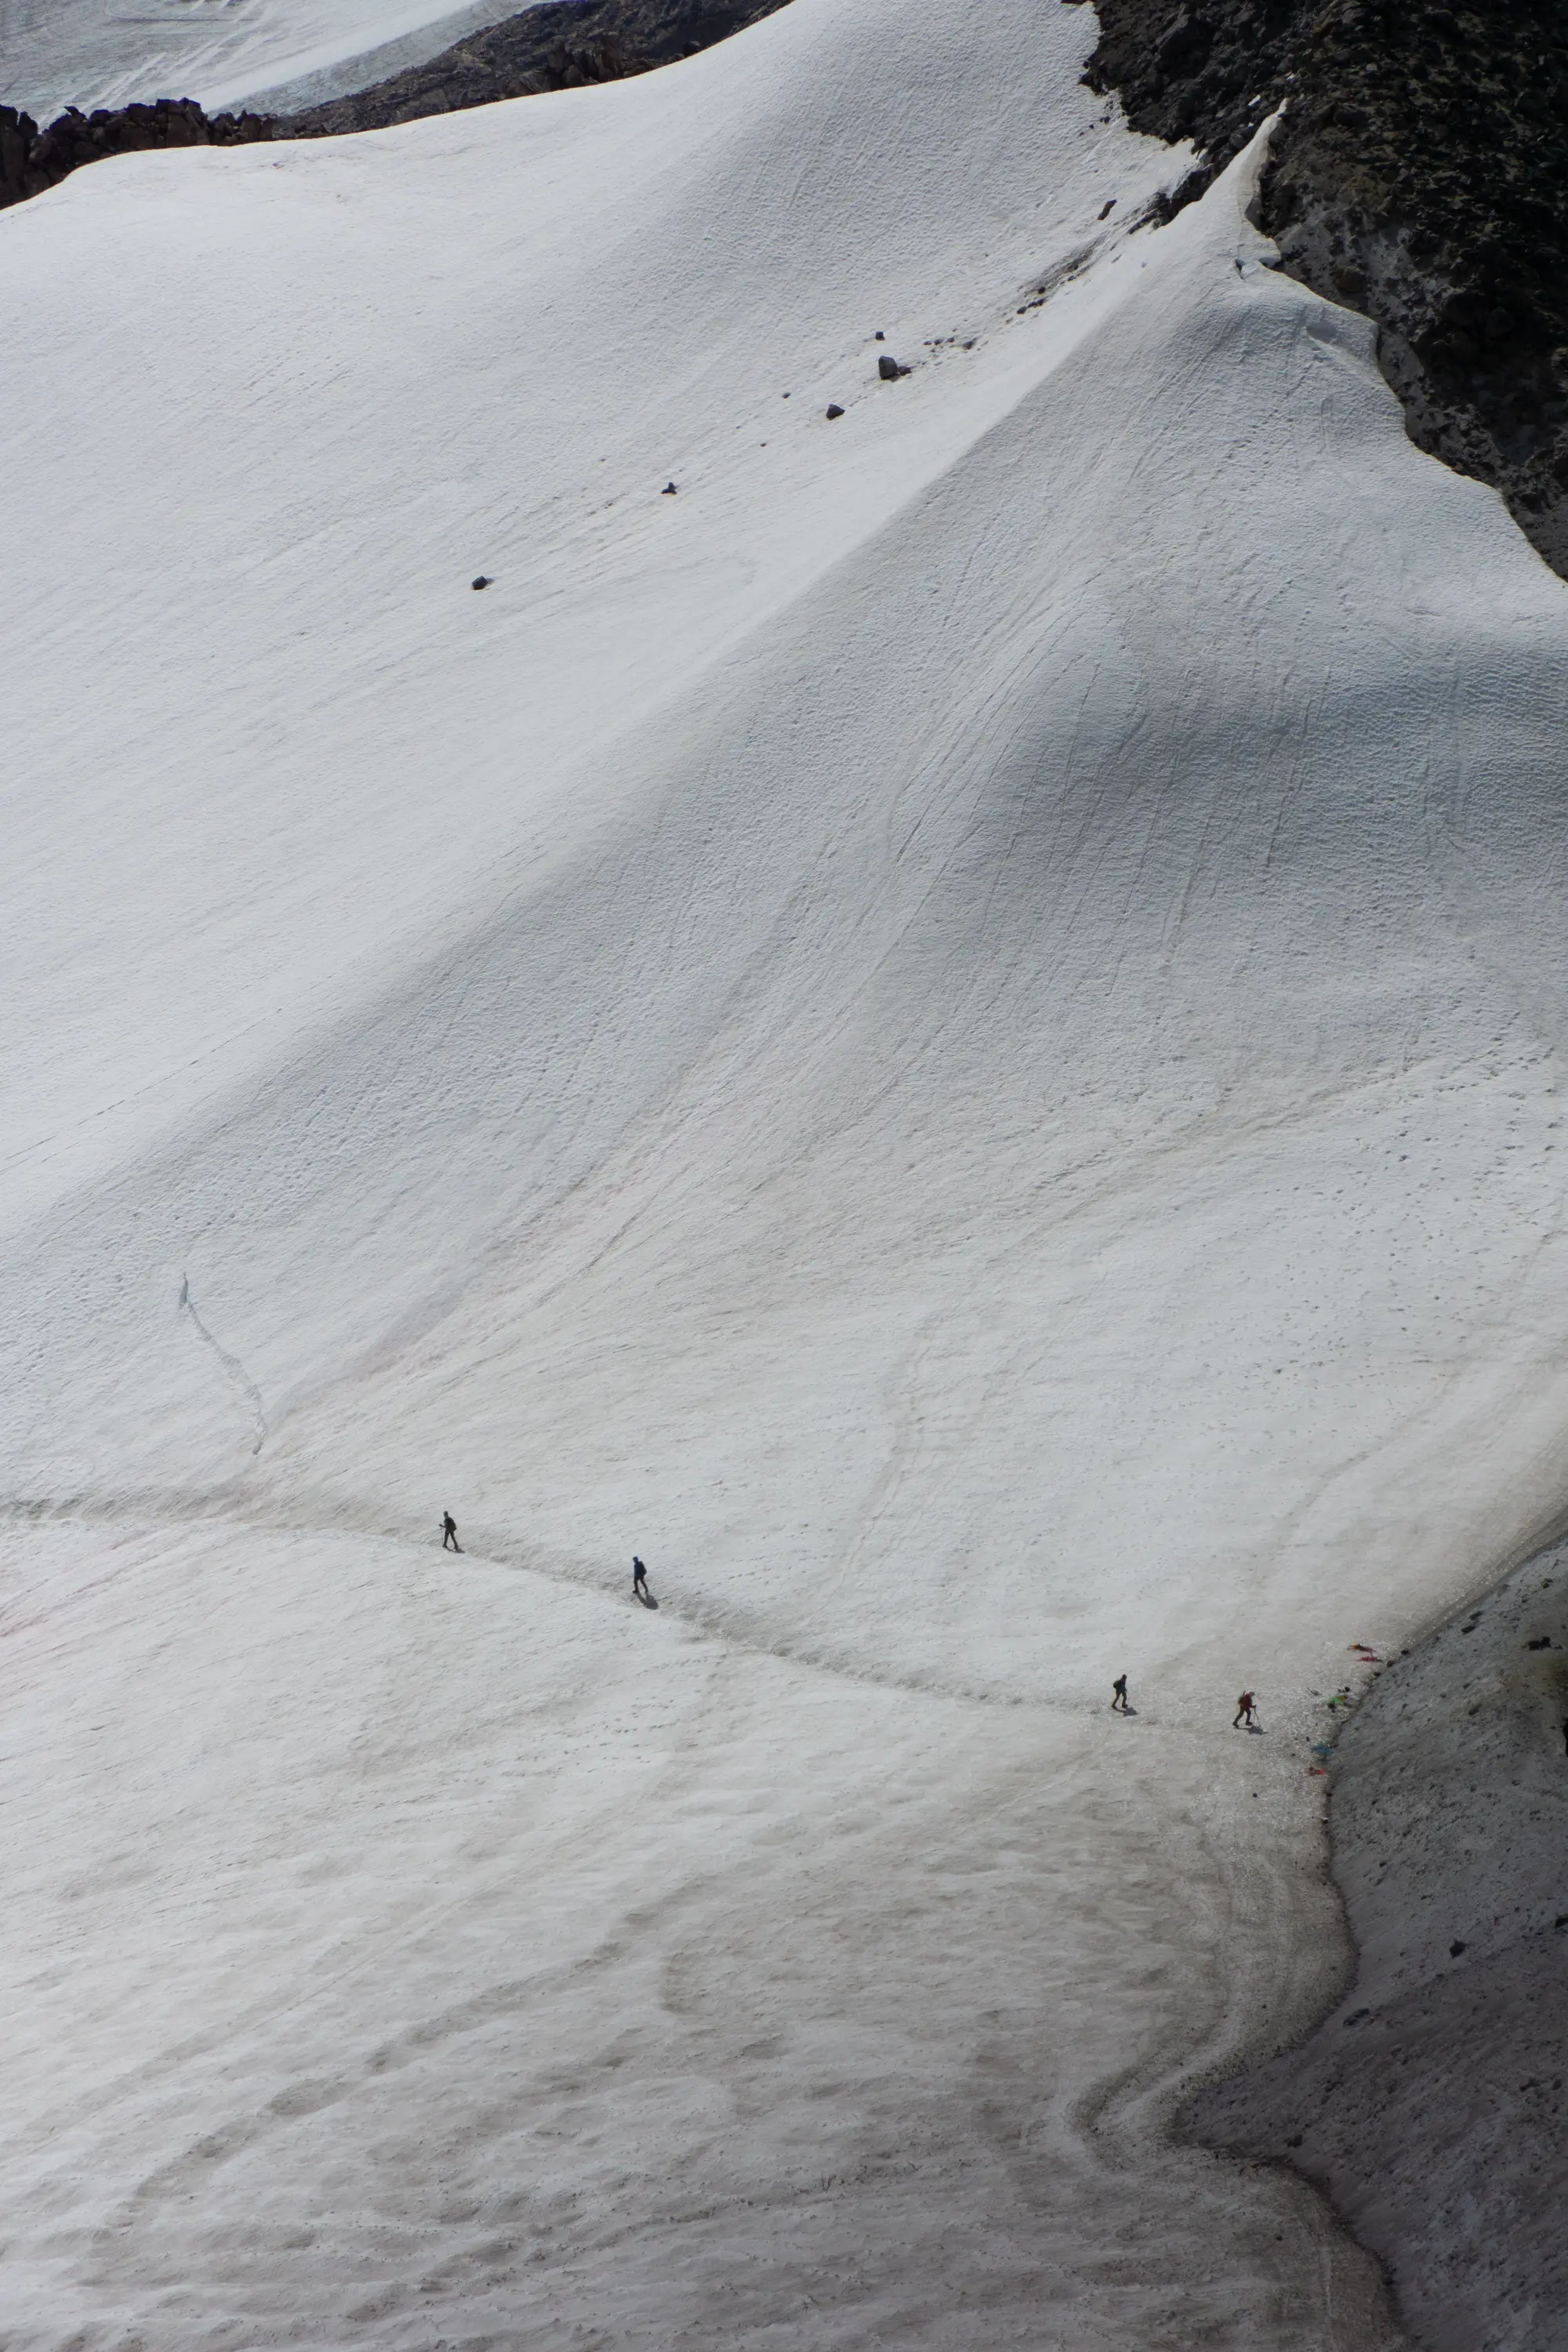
(87, 53)
(954, 1033)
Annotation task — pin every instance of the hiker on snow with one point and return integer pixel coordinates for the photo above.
(450, 1533)
(639, 1579)
(1118, 1696)
(1243, 1711)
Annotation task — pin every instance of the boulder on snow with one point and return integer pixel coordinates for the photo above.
(887, 368)
(833, 409)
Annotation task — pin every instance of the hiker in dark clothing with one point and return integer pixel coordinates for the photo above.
(450, 1533)
(1243, 1711)
(1118, 1696)
(639, 1579)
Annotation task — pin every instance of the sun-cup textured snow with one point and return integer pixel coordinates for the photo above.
(952, 1033)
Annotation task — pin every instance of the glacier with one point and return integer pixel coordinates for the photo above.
(952, 1033)
(89, 53)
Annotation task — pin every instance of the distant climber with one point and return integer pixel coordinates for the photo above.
(639, 1579)
(450, 1533)
(1244, 1711)
(1118, 1696)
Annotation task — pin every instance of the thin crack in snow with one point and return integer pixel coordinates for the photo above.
(231, 1364)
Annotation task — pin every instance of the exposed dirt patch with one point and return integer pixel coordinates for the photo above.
(1430, 2103)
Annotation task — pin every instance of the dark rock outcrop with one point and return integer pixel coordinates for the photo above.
(32, 160)
(1420, 175)
(563, 45)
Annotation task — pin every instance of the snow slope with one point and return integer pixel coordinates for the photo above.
(952, 1032)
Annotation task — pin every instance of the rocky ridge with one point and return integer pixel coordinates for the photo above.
(32, 160)
(563, 45)
(559, 46)
(1420, 174)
